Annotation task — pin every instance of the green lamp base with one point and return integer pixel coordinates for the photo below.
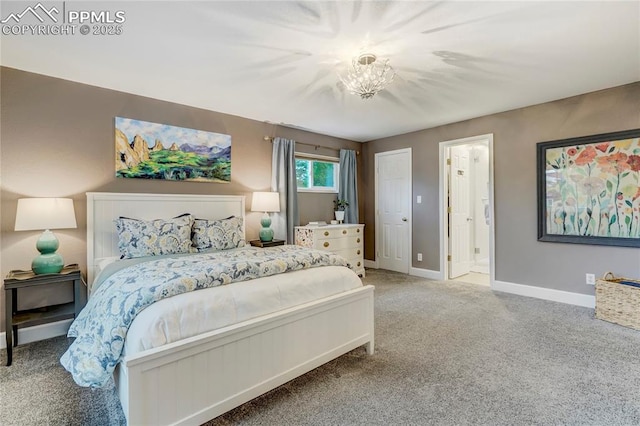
(49, 262)
(266, 233)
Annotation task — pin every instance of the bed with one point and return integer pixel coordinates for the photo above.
(197, 378)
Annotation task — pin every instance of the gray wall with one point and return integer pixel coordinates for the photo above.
(57, 140)
(520, 258)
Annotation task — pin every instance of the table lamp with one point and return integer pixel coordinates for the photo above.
(265, 202)
(46, 214)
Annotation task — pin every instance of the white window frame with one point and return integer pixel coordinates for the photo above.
(324, 159)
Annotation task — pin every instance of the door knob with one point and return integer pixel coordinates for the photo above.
(404, 219)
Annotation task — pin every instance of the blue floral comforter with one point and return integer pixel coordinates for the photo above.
(102, 325)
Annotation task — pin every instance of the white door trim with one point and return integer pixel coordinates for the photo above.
(444, 217)
(410, 212)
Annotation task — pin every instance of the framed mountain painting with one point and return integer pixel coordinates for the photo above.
(589, 189)
(158, 151)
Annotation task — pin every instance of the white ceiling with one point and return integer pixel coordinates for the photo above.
(277, 61)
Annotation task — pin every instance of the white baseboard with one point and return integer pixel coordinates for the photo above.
(38, 332)
(373, 264)
(426, 273)
(578, 299)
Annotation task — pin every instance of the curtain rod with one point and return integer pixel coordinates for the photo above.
(270, 139)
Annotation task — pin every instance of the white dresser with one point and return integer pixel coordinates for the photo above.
(346, 240)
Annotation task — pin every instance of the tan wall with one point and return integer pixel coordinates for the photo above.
(520, 258)
(57, 140)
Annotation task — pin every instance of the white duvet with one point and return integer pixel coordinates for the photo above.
(197, 312)
(126, 289)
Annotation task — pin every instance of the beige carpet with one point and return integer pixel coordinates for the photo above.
(447, 354)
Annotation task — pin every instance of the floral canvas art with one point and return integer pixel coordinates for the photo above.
(589, 189)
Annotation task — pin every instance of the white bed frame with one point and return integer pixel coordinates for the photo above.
(196, 379)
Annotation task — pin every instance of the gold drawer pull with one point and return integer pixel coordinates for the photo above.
(344, 231)
(358, 240)
(326, 233)
(326, 244)
(358, 252)
(358, 230)
(358, 263)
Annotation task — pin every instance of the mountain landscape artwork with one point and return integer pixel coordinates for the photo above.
(158, 151)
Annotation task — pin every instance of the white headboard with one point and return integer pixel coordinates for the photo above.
(104, 207)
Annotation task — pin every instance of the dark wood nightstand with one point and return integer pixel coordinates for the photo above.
(272, 243)
(17, 319)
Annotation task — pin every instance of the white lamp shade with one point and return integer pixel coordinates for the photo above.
(45, 213)
(265, 202)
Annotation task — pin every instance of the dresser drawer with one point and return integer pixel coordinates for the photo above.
(333, 244)
(350, 254)
(336, 233)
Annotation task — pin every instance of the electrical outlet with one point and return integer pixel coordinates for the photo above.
(591, 279)
(419, 257)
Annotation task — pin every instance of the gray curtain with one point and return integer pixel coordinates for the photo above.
(283, 181)
(348, 184)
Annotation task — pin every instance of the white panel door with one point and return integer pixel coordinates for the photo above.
(394, 204)
(460, 212)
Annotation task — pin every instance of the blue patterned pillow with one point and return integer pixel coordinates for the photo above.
(140, 238)
(219, 234)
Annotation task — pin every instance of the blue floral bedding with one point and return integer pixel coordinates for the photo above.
(101, 327)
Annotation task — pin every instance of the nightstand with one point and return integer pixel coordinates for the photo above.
(272, 243)
(18, 319)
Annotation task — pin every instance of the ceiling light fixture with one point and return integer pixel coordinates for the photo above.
(367, 75)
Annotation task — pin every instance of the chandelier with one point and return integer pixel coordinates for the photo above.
(367, 75)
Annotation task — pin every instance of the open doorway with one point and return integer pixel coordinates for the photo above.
(466, 205)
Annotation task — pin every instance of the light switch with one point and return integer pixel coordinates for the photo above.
(419, 199)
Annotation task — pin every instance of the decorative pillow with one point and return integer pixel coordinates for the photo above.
(219, 234)
(140, 238)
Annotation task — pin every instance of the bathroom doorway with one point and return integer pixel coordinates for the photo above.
(467, 210)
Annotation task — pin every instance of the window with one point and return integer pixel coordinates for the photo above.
(315, 175)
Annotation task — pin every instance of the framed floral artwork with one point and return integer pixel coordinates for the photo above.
(589, 189)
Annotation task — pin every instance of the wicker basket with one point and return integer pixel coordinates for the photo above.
(618, 301)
